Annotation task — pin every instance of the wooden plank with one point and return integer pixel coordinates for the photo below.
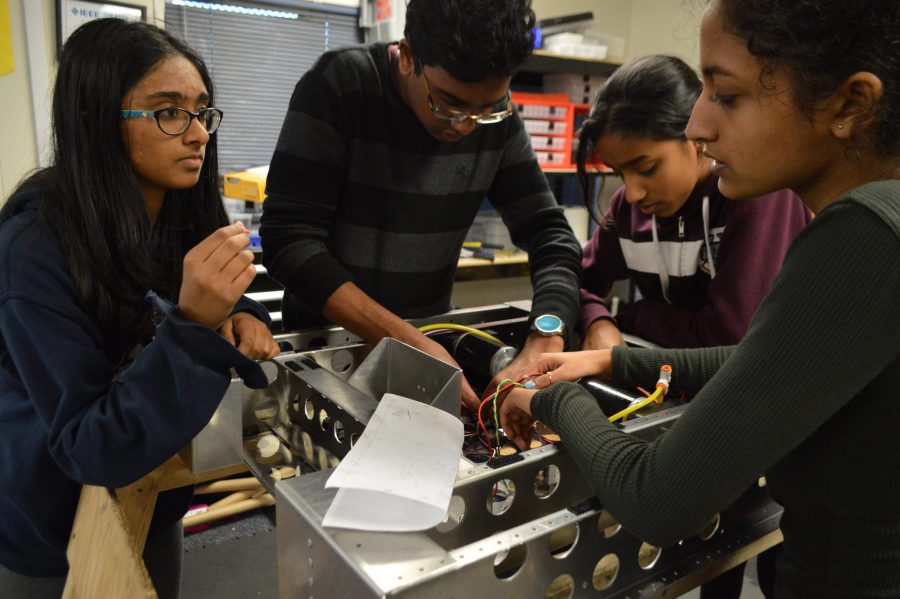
(180, 476)
(103, 561)
(110, 530)
(138, 500)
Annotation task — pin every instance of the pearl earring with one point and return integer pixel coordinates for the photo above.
(840, 125)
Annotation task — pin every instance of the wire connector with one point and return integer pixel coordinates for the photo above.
(665, 377)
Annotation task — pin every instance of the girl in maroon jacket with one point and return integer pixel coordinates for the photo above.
(701, 262)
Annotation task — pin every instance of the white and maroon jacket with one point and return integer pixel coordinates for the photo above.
(686, 299)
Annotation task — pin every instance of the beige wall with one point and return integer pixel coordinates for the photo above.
(665, 27)
(612, 17)
(23, 120)
(18, 151)
(649, 26)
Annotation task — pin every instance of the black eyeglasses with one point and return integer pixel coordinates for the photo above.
(461, 116)
(175, 121)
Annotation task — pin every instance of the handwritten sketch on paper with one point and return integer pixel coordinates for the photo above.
(399, 476)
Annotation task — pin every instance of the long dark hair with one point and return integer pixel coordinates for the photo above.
(91, 199)
(823, 43)
(649, 98)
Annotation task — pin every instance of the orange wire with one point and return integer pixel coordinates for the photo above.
(490, 396)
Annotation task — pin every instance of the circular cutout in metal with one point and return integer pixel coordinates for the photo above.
(501, 497)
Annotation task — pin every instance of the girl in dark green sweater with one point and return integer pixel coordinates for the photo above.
(805, 95)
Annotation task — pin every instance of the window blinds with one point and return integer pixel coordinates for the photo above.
(256, 53)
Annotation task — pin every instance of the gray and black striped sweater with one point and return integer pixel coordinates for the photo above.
(359, 191)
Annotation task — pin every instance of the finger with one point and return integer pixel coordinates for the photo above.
(515, 430)
(236, 287)
(469, 399)
(258, 341)
(227, 331)
(520, 440)
(231, 253)
(208, 246)
(543, 381)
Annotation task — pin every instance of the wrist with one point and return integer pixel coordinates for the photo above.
(538, 344)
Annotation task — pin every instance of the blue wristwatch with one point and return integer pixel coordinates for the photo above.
(548, 325)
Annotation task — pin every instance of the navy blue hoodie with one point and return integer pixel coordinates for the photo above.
(73, 410)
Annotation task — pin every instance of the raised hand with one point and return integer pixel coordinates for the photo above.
(216, 273)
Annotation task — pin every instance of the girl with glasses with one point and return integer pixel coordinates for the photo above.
(121, 309)
(800, 94)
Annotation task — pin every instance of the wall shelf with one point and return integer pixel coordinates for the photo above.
(542, 61)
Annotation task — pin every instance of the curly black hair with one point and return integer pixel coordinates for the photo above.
(472, 40)
(821, 44)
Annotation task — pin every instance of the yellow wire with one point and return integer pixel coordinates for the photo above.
(637, 406)
(460, 327)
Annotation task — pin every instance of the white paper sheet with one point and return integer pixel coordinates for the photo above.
(399, 476)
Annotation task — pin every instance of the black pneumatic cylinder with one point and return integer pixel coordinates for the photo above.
(479, 358)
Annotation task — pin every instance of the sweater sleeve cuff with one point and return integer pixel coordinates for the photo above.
(205, 345)
(245, 304)
(619, 354)
(540, 405)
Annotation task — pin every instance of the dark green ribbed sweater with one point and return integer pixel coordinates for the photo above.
(810, 397)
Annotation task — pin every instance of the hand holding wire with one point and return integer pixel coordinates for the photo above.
(515, 416)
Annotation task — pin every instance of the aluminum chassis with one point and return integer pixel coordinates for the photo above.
(561, 545)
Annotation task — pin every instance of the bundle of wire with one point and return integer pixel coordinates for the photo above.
(525, 381)
(430, 329)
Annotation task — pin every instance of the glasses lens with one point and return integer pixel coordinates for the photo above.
(491, 119)
(173, 120)
(211, 118)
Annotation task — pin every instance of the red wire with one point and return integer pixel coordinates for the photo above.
(490, 396)
(487, 437)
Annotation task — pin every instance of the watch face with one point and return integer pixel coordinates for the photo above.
(548, 324)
